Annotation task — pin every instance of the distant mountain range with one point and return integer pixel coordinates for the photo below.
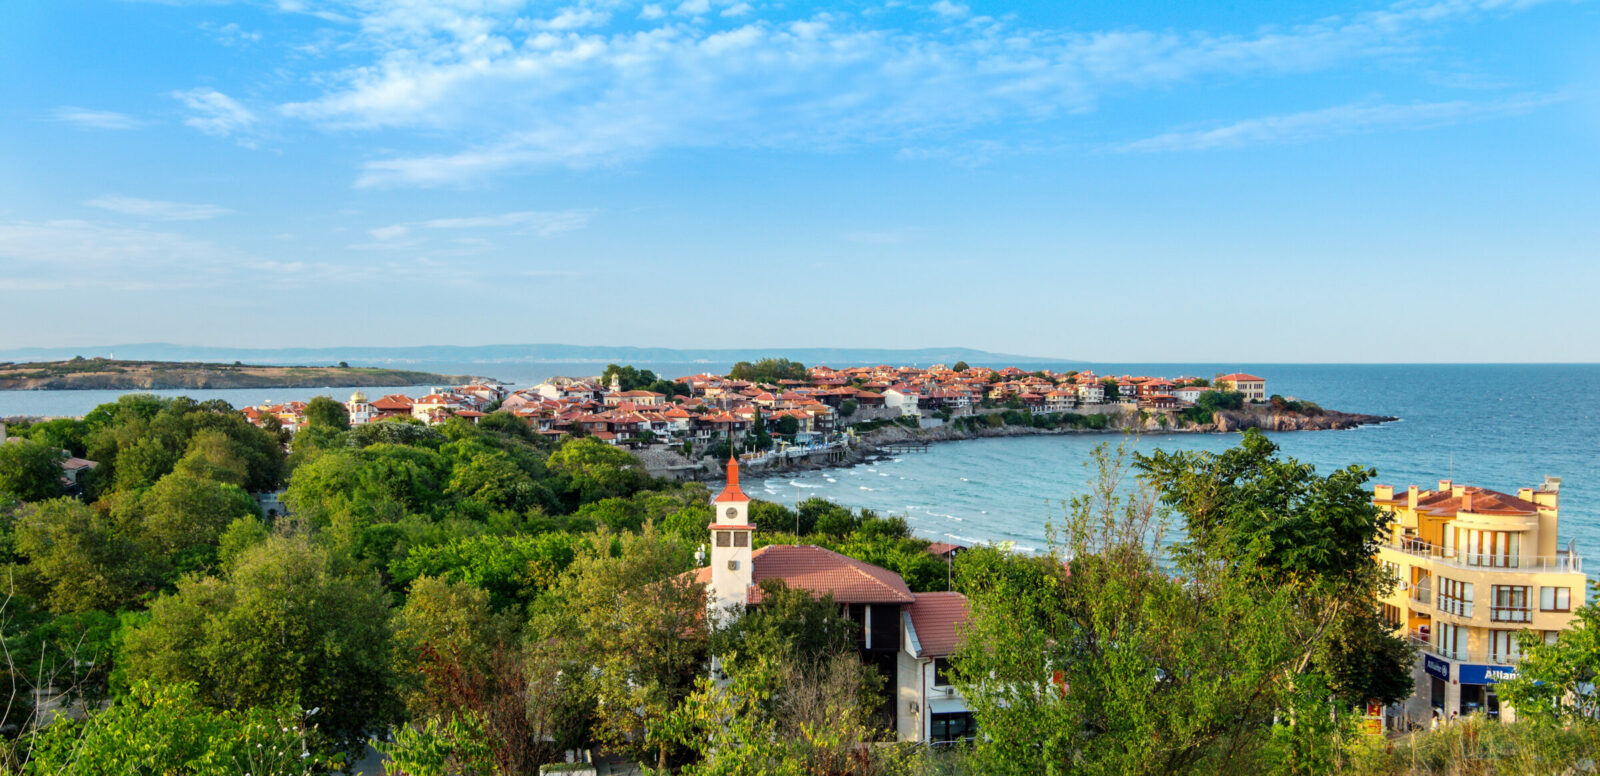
(524, 354)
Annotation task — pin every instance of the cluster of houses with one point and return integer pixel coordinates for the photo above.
(804, 412)
(941, 389)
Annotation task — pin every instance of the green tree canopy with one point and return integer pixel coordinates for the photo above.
(30, 471)
(323, 412)
(288, 624)
(594, 470)
(769, 370)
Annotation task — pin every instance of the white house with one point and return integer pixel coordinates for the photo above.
(903, 401)
(905, 636)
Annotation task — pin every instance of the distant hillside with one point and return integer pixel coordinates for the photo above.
(100, 373)
(526, 354)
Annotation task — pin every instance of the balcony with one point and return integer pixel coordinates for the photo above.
(1510, 614)
(1421, 595)
(1559, 563)
(1460, 607)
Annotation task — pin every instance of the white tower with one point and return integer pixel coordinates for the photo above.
(732, 571)
(359, 408)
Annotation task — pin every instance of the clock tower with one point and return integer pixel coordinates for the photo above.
(731, 532)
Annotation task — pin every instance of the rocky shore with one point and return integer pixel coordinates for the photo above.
(871, 445)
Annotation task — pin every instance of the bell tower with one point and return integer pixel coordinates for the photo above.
(732, 572)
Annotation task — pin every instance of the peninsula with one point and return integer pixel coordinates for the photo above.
(108, 374)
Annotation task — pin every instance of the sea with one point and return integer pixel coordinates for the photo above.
(1499, 426)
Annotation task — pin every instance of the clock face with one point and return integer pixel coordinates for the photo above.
(732, 512)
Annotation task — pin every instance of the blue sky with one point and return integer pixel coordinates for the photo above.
(1129, 181)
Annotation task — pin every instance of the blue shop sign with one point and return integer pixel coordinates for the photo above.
(1436, 667)
(1482, 674)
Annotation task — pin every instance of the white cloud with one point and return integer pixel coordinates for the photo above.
(230, 34)
(737, 9)
(948, 9)
(88, 118)
(1328, 122)
(389, 232)
(470, 70)
(214, 113)
(157, 209)
(540, 223)
(43, 255)
(574, 19)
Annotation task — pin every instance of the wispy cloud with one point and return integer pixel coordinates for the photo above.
(89, 118)
(43, 255)
(518, 92)
(214, 113)
(538, 223)
(1312, 125)
(157, 209)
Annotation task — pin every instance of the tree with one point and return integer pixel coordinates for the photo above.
(30, 471)
(86, 558)
(323, 412)
(789, 622)
(165, 729)
(184, 516)
(781, 716)
(847, 408)
(594, 470)
(638, 622)
(787, 425)
(213, 455)
(758, 432)
(287, 624)
(769, 370)
(961, 366)
(627, 377)
(1108, 664)
(1555, 683)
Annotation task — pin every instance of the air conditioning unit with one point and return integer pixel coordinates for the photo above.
(733, 565)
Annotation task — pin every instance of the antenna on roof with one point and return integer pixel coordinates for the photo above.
(1452, 466)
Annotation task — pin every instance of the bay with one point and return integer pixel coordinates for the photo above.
(1500, 426)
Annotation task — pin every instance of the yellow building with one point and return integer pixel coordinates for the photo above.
(1474, 566)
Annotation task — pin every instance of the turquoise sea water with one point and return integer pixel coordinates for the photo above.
(1500, 427)
(1497, 426)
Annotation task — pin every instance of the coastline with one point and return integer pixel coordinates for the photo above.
(873, 445)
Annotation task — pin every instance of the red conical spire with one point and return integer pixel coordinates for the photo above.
(732, 491)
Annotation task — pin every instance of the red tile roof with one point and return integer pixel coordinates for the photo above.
(820, 571)
(943, 548)
(937, 619)
(1237, 376)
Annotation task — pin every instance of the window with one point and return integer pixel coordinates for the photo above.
(1488, 548)
(943, 673)
(1455, 597)
(722, 538)
(949, 728)
(741, 538)
(1510, 604)
(1391, 615)
(1452, 641)
(1550, 636)
(1555, 599)
(1503, 646)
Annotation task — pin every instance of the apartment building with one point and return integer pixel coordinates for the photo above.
(1473, 568)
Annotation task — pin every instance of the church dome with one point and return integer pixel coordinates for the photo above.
(358, 398)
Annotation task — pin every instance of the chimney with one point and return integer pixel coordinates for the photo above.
(1411, 497)
(1466, 502)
